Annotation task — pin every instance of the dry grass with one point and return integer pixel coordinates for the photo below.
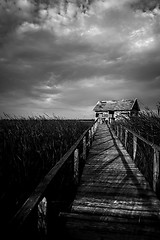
(147, 124)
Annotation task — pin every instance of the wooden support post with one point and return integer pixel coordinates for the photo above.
(155, 169)
(76, 166)
(134, 147)
(42, 222)
(84, 149)
(92, 133)
(121, 133)
(96, 125)
(117, 131)
(125, 138)
(89, 138)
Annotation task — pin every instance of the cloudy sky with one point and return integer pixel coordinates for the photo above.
(62, 57)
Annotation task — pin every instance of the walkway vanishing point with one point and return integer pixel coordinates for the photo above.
(113, 200)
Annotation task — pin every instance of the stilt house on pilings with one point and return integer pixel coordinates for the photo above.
(111, 109)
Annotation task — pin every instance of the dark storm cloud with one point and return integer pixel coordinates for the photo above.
(145, 5)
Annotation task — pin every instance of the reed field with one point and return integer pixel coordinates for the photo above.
(147, 125)
(29, 148)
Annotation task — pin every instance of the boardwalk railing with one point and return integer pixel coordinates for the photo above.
(143, 152)
(38, 216)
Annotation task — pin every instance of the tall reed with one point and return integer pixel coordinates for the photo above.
(29, 147)
(147, 124)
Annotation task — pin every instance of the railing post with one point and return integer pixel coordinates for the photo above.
(125, 138)
(89, 138)
(93, 127)
(96, 125)
(84, 149)
(92, 133)
(117, 131)
(43, 218)
(121, 132)
(155, 169)
(134, 147)
(76, 166)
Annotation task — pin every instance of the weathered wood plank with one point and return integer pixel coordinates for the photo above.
(114, 219)
(113, 211)
(111, 201)
(111, 194)
(131, 188)
(115, 205)
(106, 227)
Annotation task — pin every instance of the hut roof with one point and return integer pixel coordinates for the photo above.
(117, 105)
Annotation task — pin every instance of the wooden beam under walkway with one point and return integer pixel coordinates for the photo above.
(113, 200)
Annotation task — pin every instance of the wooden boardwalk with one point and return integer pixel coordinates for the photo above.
(113, 200)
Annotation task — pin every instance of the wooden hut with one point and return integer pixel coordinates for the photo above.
(112, 108)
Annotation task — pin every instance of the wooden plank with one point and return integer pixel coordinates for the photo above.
(113, 211)
(106, 198)
(124, 205)
(125, 182)
(111, 194)
(76, 234)
(130, 201)
(103, 176)
(102, 218)
(116, 190)
(115, 185)
(120, 228)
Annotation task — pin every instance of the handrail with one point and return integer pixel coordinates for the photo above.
(153, 145)
(38, 194)
(156, 153)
